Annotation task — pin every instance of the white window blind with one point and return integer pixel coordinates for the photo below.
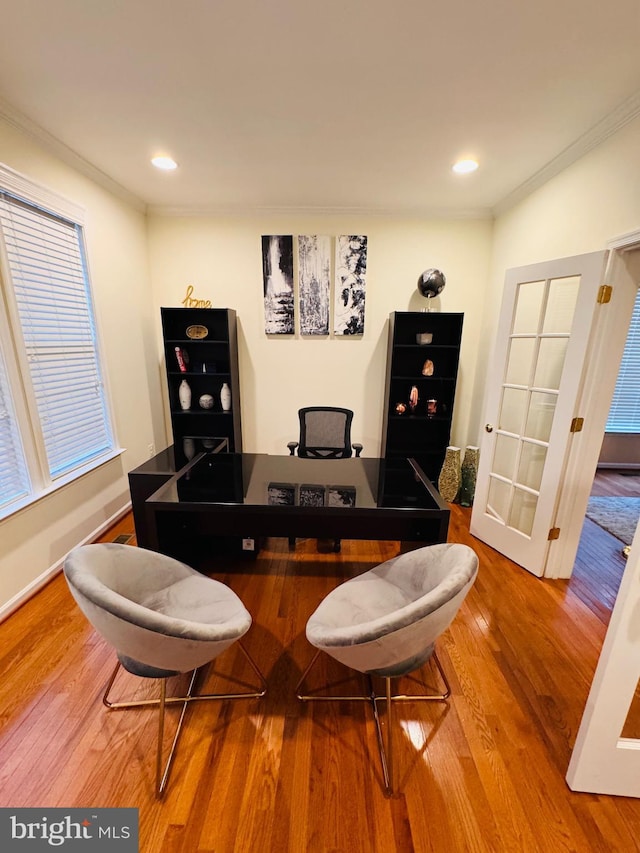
(14, 477)
(48, 277)
(624, 414)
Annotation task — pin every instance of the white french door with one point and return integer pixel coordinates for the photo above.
(533, 385)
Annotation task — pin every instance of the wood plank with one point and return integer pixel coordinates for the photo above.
(484, 772)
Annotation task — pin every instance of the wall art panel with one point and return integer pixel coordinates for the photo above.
(314, 282)
(350, 286)
(277, 275)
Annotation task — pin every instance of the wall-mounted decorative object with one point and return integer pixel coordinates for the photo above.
(449, 479)
(423, 338)
(431, 283)
(427, 368)
(413, 398)
(225, 397)
(181, 360)
(197, 333)
(184, 395)
(468, 475)
(277, 276)
(190, 300)
(314, 282)
(350, 285)
(206, 401)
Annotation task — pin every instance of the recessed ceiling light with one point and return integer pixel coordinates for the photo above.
(166, 163)
(464, 166)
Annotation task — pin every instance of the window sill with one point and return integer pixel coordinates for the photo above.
(60, 483)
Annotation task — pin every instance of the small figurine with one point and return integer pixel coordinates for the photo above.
(400, 408)
(413, 398)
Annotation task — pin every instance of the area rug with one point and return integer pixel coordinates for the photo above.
(618, 516)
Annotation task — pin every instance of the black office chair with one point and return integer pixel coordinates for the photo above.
(325, 433)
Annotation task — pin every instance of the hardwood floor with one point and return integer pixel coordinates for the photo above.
(483, 773)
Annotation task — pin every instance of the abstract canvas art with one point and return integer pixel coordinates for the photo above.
(350, 285)
(277, 275)
(314, 282)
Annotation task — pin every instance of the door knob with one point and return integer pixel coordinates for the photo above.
(488, 427)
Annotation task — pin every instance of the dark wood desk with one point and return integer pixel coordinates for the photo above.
(249, 496)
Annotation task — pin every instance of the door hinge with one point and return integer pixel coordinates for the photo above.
(554, 533)
(604, 294)
(577, 424)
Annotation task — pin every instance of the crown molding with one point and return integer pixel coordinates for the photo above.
(257, 211)
(52, 144)
(625, 113)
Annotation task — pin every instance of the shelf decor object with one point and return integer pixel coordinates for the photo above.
(197, 332)
(449, 479)
(213, 364)
(225, 397)
(184, 395)
(425, 433)
(469, 474)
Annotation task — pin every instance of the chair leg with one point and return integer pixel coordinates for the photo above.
(162, 775)
(386, 752)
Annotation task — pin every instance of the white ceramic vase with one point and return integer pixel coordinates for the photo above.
(189, 447)
(225, 397)
(184, 395)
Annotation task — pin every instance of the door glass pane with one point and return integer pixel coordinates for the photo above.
(542, 408)
(521, 354)
(561, 305)
(514, 409)
(529, 304)
(532, 458)
(504, 459)
(523, 510)
(498, 499)
(550, 362)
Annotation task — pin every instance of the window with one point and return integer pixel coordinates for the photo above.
(15, 484)
(624, 414)
(65, 424)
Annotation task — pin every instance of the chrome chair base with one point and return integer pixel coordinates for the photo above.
(386, 751)
(162, 773)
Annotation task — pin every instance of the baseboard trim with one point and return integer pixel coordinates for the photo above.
(42, 580)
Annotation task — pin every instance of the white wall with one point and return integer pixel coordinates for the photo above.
(37, 538)
(595, 199)
(221, 258)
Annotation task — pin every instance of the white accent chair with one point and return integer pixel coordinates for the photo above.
(163, 618)
(386, 621)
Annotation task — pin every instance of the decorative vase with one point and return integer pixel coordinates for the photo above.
(449, 479)
(189, 448)
(184, 395)
(468, 475)
(225, 397)
(206, 401)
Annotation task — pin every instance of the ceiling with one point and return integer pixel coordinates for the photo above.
(357, 105)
